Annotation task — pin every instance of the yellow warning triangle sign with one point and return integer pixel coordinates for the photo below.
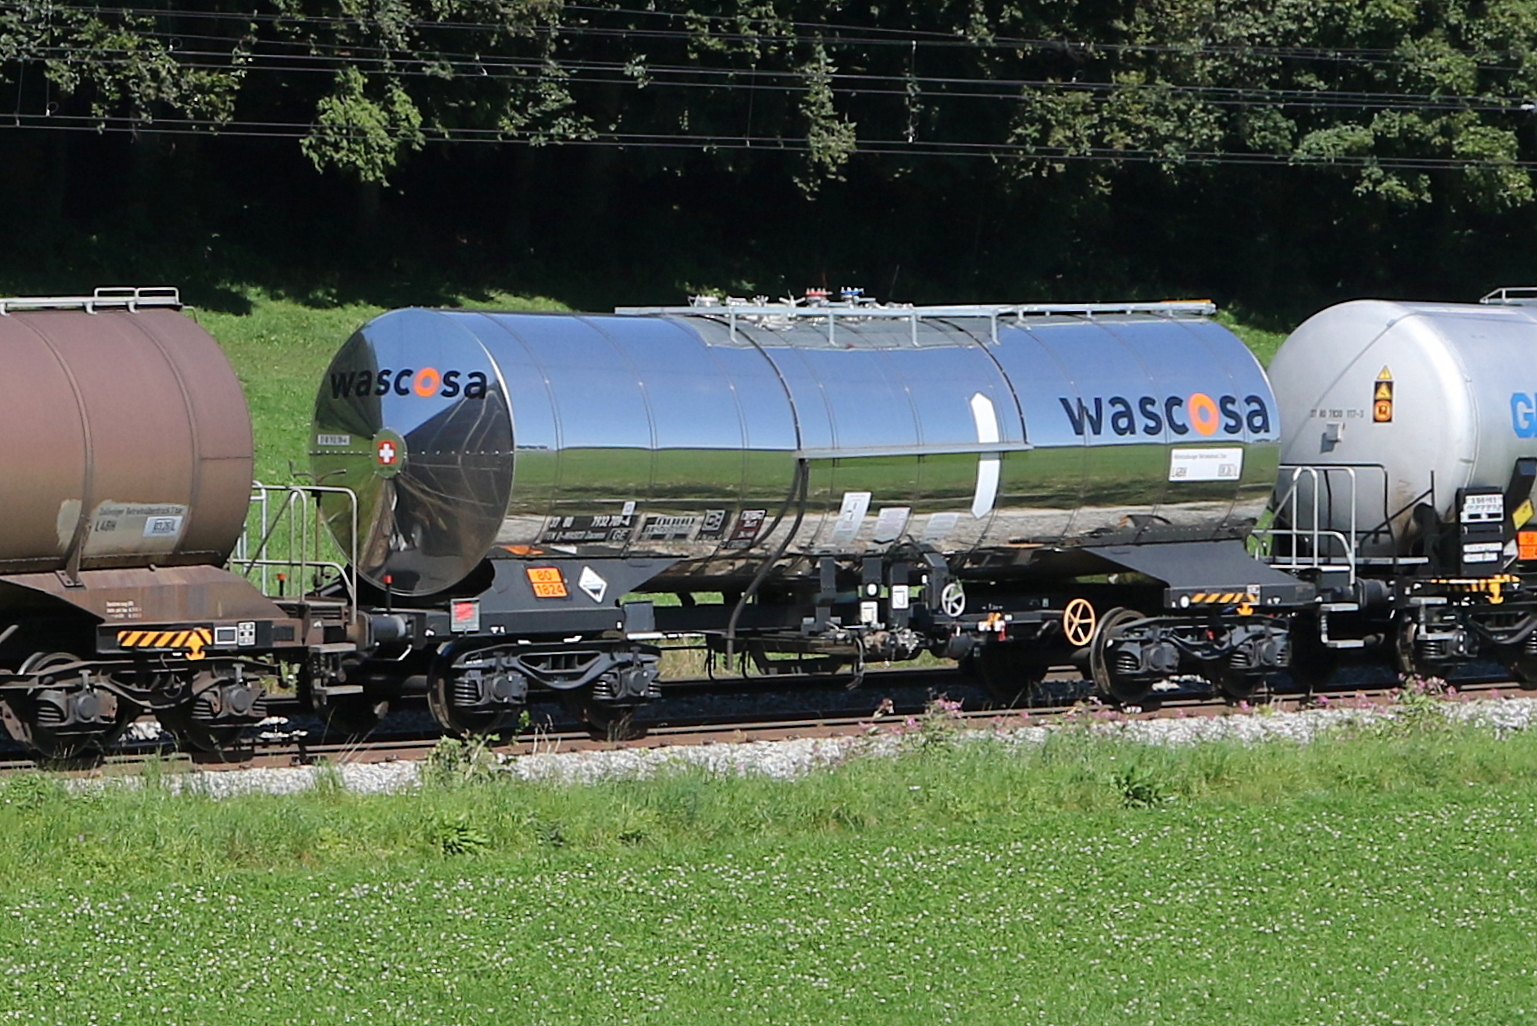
(1385, 375)
(1384, 391)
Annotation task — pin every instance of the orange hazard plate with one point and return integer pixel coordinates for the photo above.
(546, 582)
(1527, 543)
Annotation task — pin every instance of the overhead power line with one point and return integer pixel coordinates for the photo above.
(247, 57)
(834, 34)
(772, 145)
(849, 83)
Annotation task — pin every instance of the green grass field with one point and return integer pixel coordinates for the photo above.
(1381, 877)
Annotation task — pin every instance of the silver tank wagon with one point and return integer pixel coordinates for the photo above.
(715, 436)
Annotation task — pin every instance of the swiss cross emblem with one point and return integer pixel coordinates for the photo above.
(387, 453)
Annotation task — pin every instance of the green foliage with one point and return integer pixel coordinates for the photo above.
(457, 834)
(117, 64)
(1285, 155)
(830, 140)
(29, 790)
(1140, 788)
(457, 762)
(360, 134)
(1371, 90)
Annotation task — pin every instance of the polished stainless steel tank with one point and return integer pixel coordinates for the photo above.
(1405, 403)
(984, 432)
(126, 437)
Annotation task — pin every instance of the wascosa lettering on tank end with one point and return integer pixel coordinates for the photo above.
(424, 383)
(1197, 412)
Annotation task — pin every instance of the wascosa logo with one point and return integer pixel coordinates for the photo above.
(426, 383)
(1198, 412)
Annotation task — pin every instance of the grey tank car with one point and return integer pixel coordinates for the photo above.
(816, 484)
(1409, 452)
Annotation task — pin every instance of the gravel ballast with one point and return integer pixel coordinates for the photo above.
(795, 758)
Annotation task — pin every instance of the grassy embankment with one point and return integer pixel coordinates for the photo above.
(1385, 876)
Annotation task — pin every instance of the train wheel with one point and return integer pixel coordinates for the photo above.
(1010, 675)
(1240, 687)
(1405, 654)
(1106, 680)
(610, 722)
(463, 722)
(198, 735)
(1523, 670)
(215, 717)
(34, 720)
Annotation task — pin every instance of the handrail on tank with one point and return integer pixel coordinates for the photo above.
(297, 510)
(1316, 536)
(1284, 507)
(111, 297)
(1521, 295)
(779, 315)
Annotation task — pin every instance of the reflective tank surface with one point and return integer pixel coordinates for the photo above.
(127, 441)
(1419, 399)
(717, 435)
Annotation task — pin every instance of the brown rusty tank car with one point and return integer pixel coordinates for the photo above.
(125, 476)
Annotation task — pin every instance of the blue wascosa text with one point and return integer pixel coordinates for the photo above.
(1523, 414)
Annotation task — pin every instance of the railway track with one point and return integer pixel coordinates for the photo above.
(744, 728)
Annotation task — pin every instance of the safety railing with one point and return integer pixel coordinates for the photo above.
(128, 298)
(286, 550)
(1311, 531)
(782, 315)
(1517, 296)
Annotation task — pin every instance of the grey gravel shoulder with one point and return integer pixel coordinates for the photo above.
(795, 758)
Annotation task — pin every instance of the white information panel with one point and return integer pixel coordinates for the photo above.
(1206, 464)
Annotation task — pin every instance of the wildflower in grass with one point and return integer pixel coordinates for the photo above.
(943, 706)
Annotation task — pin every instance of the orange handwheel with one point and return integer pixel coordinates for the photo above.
(1078, 622)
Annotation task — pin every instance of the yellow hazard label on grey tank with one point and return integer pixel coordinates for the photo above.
(1382, 398)
(192, 640)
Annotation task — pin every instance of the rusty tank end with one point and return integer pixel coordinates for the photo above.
(125, 440)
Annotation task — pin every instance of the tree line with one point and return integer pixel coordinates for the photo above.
(1274, 154)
